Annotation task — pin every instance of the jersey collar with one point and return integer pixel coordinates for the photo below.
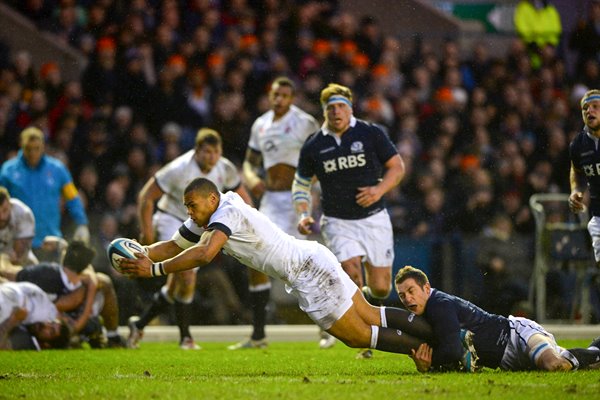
(594, 138)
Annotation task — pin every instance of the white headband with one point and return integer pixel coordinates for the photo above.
(336, 99)
(590, 98)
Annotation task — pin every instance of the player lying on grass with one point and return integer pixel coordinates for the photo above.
(311, 272)
(513, 343)
(29, 320)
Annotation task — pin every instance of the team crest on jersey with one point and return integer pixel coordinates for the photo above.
(357, 147)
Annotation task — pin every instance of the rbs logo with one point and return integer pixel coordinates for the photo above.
(591, 170)
(345, 162)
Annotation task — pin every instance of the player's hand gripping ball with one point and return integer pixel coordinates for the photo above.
(123, 248)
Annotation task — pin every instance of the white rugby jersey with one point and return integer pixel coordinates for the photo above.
(21, 225)
(280, 141)
(254, 240)
(28, 296)
(175, 176)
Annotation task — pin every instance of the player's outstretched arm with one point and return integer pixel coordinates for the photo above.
(198, 255)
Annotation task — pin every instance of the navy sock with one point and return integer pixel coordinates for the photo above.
(183, 316)
(258, 303)
(408, 322)
(159, 305)
(395, 341)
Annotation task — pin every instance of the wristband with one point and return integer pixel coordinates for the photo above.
(157, 269)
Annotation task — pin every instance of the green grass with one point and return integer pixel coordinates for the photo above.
(284, 371)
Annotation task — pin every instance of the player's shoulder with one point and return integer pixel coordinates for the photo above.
(53, 162)
(264, 117)
(301, 114)
(182, 159)
(226, 163)
(441, 299)
(19, 207)
(314, 139)
(370, 127)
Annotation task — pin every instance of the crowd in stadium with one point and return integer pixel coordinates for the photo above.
(479, 132)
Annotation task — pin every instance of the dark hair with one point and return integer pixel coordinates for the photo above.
(284, 81)
(78, 256)
(409, 272)
(203, 186)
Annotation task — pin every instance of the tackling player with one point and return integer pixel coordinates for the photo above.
(513, 343)
(356, 164)
(310, 271)
(166, 187)
(274, 145)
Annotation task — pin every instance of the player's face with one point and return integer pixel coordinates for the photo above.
(46, 331)
(280, 99)
(33, 152)
(207, 156)
(413, 296)
(200, 208)
(338, 117)
(591, 115)
(4, 213)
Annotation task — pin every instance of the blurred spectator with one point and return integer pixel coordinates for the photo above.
(505, 267)
(26, 178)
(538, 24)
(585, 38)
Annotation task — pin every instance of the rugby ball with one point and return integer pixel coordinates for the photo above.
(123, 248)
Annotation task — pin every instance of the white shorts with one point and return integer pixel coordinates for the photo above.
(278, 206)
(594, 230)
(516, 355)
(98, 304)
(165, 225)
(371, 238)
(324, 291)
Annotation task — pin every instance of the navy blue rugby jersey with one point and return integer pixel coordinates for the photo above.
(586, 158)
(356, 162)
(50, 277)
(448, 314)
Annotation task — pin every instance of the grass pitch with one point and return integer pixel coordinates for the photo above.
(283, 371)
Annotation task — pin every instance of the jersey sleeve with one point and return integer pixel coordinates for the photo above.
(308, 126)
(306, 168)
(253, 141)
(226, 219)
(187, 235)
(384, 147)
(164, 178)
(574, 155)
(447, 346)
(232, 177)
(25, 221)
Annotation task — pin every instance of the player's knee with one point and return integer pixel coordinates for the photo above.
(381, 291)
(354, 340)
(104, 281)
